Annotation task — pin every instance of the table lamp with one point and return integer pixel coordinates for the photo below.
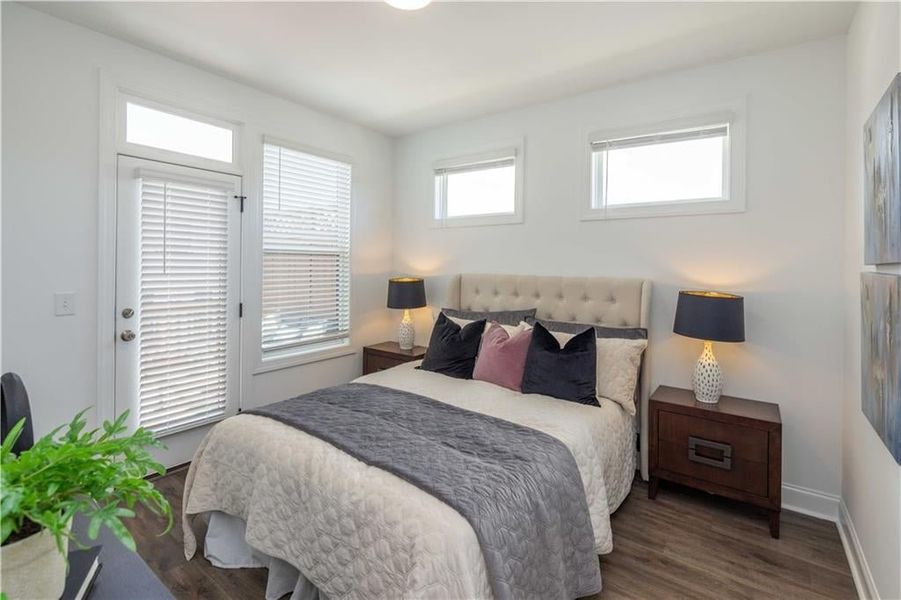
(406, 293)
(712, 317)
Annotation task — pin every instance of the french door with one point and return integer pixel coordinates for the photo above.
(177, 300)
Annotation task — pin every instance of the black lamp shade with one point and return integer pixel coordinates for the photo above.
(710, 316)
(406, 292)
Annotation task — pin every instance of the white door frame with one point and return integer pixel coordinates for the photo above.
(108, 152)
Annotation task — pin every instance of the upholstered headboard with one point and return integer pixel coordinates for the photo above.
(609, 301)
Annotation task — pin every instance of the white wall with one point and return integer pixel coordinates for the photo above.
(784, 254)
(871, 480)
(50, 187)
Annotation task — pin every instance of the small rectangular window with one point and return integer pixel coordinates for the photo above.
(147, 126)
(306, 251)
(678, 171)
(478, 190)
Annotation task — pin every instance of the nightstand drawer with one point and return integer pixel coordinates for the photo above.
(374, 362)
(721, 453)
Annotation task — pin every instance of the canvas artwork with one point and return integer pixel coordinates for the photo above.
(882, 179)
(880, 295)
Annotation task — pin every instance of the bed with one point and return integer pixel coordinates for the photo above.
(326, 524)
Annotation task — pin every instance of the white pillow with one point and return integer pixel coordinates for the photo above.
(511, 330)
(618, 367)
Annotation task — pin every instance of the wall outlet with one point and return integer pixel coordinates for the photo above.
(64, 302)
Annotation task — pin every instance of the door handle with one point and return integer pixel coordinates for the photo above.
(127, 335)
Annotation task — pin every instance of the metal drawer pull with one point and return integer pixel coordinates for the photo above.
(723, 463)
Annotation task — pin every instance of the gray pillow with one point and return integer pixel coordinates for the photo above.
(626, 333)
(504, 317)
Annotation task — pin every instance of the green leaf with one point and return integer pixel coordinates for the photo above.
(124, 512)
(7, 526)
(9, 503)
(12, 436)
(121, 533)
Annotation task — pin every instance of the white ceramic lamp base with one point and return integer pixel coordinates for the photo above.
(707, 380)
(406, 334)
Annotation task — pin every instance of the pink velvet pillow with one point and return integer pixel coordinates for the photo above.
(502, 358)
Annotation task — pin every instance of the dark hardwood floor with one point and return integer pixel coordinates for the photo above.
(685, 544)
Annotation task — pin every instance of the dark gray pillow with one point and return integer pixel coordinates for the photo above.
(568, 373)
(504, 317)
(601, 331)
(452, 349)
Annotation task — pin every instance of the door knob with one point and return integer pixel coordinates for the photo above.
(127, 335)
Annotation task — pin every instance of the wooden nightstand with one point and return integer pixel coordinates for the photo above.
(386, 355)
(732, 448)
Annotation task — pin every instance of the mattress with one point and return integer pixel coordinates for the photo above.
(358, 531)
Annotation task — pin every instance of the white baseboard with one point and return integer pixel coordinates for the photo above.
(832, 508)
(810, 502)
(860, 570)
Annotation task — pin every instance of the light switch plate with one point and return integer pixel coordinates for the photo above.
(64, 303)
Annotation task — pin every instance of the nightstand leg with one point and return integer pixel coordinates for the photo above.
(652, 487)
(774, 523)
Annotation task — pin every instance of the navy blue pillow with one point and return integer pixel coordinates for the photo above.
(452, 350)
(568, 373)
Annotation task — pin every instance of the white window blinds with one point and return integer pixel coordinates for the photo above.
(184, 255)
(715, 131)
(306, 250)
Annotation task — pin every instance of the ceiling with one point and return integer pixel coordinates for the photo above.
(399, 72)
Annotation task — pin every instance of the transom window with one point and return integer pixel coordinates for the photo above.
(666, 172)
(479, 189)
(172, 130)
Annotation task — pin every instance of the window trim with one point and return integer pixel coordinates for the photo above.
(160, 154)
(493, 153)
(285, 358)
(733, 115)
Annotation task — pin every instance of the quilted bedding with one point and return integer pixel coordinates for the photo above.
(358, 531)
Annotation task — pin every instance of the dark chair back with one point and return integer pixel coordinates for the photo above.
(14, 400)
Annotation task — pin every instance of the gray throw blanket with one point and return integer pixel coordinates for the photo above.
(519, 488)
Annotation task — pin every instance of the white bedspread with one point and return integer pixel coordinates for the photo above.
(360, 532)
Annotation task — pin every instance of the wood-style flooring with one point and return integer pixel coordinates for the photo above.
(684, 544)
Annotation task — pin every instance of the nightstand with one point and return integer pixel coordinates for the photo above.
(388, 354)
(732, 448)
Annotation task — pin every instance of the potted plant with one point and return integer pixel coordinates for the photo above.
(99, 473)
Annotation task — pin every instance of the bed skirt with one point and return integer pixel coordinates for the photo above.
(225, 547)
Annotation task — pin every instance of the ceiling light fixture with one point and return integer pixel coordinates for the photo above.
(408, 4)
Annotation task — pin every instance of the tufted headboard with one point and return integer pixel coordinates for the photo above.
(609, 301)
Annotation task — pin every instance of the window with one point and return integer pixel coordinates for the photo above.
(171, 132)
(479, 190)
(306, 251)
(684, 170)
